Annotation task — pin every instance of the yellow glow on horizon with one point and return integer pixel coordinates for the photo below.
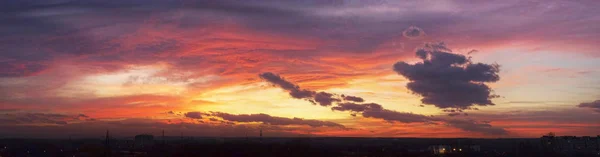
(389, 91)
(262, 98)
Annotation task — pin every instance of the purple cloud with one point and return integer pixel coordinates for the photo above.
(194, 115)
(474, 126)
(595, 105)
(448, 80)
(352, 98)
(273, 120)
(413, 32)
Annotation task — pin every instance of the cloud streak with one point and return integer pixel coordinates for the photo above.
(262, 118)
(474, 126)
(273, 120)
(321, 98)
(595, 105)
(28, 118)
(194, 115)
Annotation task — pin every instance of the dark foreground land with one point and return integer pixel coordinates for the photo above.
(289, 147)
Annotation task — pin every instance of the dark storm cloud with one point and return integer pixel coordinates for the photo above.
(449, 80)
(272, 120)
(474, 126)
(413, 32)
(595, 105)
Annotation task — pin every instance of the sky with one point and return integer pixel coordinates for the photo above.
(430, 69)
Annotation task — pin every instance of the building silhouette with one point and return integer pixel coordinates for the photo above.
(144, 141)
(570, 145)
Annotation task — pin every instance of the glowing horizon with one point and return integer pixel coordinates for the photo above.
(358, 69)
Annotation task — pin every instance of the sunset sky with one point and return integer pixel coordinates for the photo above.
(431, 68)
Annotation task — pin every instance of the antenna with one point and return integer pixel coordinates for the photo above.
(107, 138)
(107, 144)
(261, 135)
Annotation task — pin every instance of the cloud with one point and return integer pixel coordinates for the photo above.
(374, 110)
(474, 126)
(325, 99)
(40, 118)
(368, 110)
(352, 98)
(453, 114)
(38, 38)
(322, 98)
(194, 115)
(272, 120)
(354, 107)
(293, 89)
(20, 69)
(413, 32)
(592, 105)
(134, 126)
(556, 116)
(395, 116)
(448, 80)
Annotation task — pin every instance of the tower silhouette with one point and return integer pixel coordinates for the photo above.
(261, 135)
(107, 145)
